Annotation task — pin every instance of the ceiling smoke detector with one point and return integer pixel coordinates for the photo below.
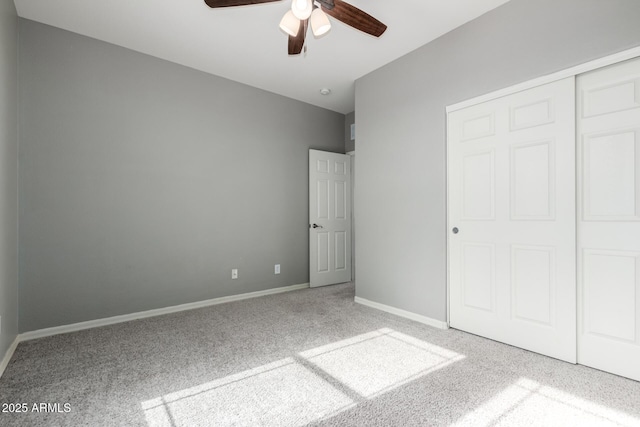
(325, 91)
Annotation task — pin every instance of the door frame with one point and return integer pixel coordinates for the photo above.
(352, 154)
(529, 84)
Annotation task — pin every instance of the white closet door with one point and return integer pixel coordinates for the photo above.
(511, 175)
(609, 219)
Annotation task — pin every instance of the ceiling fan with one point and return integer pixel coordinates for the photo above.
(296, 21)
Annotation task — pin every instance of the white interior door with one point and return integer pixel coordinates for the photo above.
(609, 219)
(511, 191)
(329, 218)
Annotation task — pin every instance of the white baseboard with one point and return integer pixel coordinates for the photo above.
(403, 313)
(8, 355)
(151, 313)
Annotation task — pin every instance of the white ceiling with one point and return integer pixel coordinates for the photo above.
(245, 44)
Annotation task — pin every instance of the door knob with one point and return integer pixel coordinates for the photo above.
(455, 230)
(317, 226)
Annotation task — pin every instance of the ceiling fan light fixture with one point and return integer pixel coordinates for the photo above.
(290, 24)
(302, 8)
(320, 24)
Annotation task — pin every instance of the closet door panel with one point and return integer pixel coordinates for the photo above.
(609, 218)
(511, 194)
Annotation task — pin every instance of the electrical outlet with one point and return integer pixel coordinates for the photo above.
(234, 273)
(276, 270)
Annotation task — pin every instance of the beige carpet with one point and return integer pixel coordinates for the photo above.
(309, 357)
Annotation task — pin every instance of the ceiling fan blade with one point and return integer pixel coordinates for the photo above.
(296, 43)
(228, 3)
(355, 18)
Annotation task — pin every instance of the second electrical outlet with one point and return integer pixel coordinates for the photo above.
(276, 269)
(234, 273)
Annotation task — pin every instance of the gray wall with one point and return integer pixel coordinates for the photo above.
(143, 183)
(349, 145)
(400, 110)
(8, 174)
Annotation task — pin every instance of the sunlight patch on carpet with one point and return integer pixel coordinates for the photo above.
(306, 387)
(530, 403)
(280, 393)
(380, 361)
